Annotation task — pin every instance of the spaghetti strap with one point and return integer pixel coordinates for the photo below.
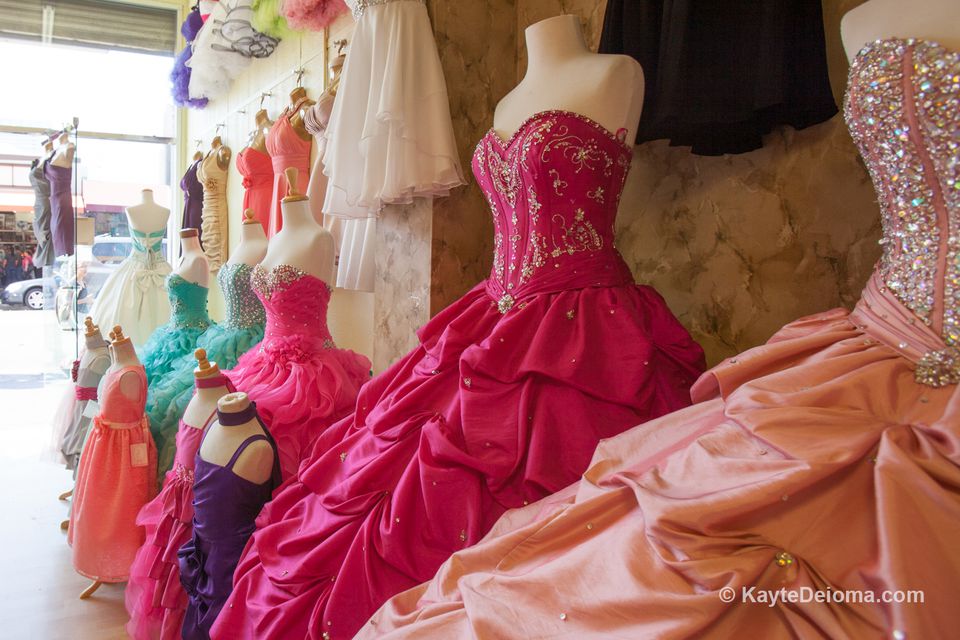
(243, 445)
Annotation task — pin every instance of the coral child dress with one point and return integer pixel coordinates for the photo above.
(502, 403)
(117, 476)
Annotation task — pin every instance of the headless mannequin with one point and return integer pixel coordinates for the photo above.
(203, 405)
(562, 73)
(223, 152)
(96, 356)
(302, 243)
(256, 462)
(124, 355)
(193, 266)
(258, 138)
(296, 118)
(253, 241)
(933, 20)
(63, 156)
(148, 216)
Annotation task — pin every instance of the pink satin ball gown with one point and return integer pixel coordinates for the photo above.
(502, 403)
(822, 463)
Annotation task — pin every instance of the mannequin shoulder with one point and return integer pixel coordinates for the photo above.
(255, 464)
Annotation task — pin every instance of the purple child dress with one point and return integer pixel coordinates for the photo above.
(224, 509)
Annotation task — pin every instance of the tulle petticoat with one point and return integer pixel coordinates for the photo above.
(390, 138)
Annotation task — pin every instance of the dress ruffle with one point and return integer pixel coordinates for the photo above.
(301, 386)
(268, 19)
(315, 15)
(491, 411)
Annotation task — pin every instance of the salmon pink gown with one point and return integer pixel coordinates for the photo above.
(115, 479)
(822, 463)
(287, 149)
(502, 403)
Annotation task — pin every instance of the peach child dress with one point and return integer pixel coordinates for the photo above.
(117, 476)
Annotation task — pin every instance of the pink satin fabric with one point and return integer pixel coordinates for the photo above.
(256, 168)
(85, 393)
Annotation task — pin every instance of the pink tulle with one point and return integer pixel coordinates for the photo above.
(314, 15)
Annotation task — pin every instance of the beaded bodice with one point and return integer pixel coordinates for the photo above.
(359, 7)
(903, 110)
(553, 189)
(244, 308)
(188, 303)
(296, 303)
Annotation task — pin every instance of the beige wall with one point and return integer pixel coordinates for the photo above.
(738, 245)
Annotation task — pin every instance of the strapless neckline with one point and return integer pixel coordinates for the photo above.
(506, 143)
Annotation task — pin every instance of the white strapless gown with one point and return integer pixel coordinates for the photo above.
(390, 137)
(135, 296)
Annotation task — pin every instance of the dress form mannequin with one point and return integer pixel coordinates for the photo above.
(96, 356)
(148, 216)
(223, 152)
(193, 265)
(298, 98)
(204, 401)
(124, 355)
(256, 462)
(563, 74)
(258, 138)
(253, 241)
(63, 157)
(934, 20)
(302, 243)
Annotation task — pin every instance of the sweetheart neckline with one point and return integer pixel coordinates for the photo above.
(507, 143)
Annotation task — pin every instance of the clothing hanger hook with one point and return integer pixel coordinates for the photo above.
(299, 71)
(264, 96)
(340, 44)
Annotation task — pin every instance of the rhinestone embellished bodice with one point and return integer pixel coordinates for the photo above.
(296, 304)
(553, 190)
(243, 307)
(188, 303)
(903, 110)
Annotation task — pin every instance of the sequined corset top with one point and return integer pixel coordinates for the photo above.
(553, 189)
(188, 303)
(903, 110)
(243, 306)
(296, 304)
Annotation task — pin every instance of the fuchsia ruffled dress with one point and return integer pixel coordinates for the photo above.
(822, 467)
(502, 403)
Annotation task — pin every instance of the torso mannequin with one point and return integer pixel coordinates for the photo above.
(300, 102)
(223, 152)
(148, 217)
(124, 355)
(934, 20)
(302, 242)
(63, 156)
(253, 241)
(204, 401)
(193, 266)
(562, 73)
(256, 462)
(96, 356)
(258, 139)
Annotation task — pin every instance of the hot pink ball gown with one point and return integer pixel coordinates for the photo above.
(502, 403)
(827, 459)
(301, 382)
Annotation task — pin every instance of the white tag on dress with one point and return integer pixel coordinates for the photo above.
(91, 409)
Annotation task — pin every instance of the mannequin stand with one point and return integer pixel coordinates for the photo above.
(89, 591)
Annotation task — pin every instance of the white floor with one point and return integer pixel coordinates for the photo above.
(39, 588)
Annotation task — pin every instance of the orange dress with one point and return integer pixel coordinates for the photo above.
(117, 476)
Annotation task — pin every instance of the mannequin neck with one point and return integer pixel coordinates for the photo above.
(95, 342)
(211, 394)
(297, 216)
(147, 197)
(191, 246)
(552, 41)
(124, 355)
(252, 233)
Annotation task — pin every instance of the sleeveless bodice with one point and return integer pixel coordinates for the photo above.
(59, 178)
(903, 112)
(39, 182)
(286, 148)
(244, 308)
(188, 443)
(553, 189)
(115, 407)
(188, 303)
(256, 168)
(143, 242)
(296, 303)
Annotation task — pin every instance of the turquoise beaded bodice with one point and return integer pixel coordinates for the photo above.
(188, 303)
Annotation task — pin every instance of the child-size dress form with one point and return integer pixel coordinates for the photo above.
(117, 476)
(225, 507)
(154, 596)
(78, 419)
(820, 468)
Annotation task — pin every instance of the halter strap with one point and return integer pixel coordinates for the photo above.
(233, 419)
(243, 445)
(214, 381)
